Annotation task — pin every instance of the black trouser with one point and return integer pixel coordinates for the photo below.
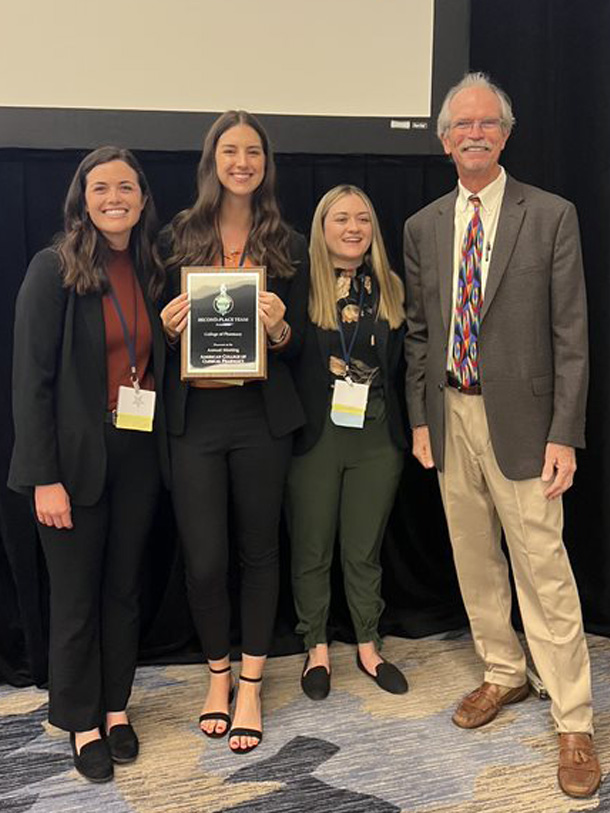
(227, 456)
(94, 571)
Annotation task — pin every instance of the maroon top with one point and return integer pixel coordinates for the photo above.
(124, 281)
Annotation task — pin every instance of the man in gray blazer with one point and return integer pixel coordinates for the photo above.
(496, 389)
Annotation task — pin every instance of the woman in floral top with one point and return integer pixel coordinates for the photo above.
(349, 456)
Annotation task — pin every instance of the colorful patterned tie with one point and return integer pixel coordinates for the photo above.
(468, 304)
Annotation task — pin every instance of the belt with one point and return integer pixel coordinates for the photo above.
(452, 381)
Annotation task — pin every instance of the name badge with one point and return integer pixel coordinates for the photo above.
(135, 409)
(349, 402)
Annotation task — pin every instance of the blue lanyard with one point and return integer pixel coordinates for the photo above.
(129, 341)
(347, 351)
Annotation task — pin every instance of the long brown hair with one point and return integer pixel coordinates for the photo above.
(84, 251)
(195, 234)
(322, 296)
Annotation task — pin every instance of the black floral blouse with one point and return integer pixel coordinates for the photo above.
(364, 360)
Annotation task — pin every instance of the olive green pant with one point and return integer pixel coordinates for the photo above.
(348, 480)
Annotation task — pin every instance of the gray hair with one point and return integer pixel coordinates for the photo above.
(477, 79)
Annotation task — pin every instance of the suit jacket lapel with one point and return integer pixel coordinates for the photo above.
(324, 344)
(381, 332)
(158, 340)
(444, 247)
(509, 225)
(92, 314)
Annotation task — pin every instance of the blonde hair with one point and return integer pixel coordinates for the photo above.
(322, 293)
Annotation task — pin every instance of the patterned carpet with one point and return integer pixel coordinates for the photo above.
(360, 751)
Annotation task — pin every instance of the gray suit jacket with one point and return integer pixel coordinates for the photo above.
(533, 334)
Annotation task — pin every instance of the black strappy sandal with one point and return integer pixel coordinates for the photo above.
(219, 716)
(246, 732)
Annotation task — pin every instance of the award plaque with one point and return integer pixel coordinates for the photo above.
(224, 337)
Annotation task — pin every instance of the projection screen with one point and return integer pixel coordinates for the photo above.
(332, 76)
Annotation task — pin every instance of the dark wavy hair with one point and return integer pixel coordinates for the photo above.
(194, 232)
(84, 251)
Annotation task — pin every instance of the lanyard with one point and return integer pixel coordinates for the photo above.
(129, 341)
(347, 351)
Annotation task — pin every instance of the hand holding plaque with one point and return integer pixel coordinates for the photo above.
(224, 336)
(174, 317)
(272, 311)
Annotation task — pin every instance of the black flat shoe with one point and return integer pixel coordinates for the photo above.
(388, 677)
(316, 682)
(123, 743)
(94, 761)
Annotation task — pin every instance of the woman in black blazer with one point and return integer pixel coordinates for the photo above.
(349, 455)
(86, 326)
(231, 445)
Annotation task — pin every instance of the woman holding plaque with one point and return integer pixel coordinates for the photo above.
(349, 455)
(231, 442)
(89, 356)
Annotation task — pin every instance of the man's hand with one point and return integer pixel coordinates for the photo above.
(52, 505)
(559, 468)
(421, 446)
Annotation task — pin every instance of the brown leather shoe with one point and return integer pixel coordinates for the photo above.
(481, 706)
(579, 773)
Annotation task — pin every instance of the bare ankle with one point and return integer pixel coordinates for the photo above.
(319, 656)
(82, 738)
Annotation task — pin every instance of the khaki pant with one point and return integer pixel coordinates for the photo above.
(479, 500)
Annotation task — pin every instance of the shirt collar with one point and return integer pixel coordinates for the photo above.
(489, 196)
(359, 272)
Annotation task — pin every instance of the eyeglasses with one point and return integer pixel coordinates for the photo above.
(466, 125)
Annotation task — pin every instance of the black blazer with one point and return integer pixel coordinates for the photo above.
(59, 384)
(313, 380)
(282, 405)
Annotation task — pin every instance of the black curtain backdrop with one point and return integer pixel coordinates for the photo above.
(552, 58)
